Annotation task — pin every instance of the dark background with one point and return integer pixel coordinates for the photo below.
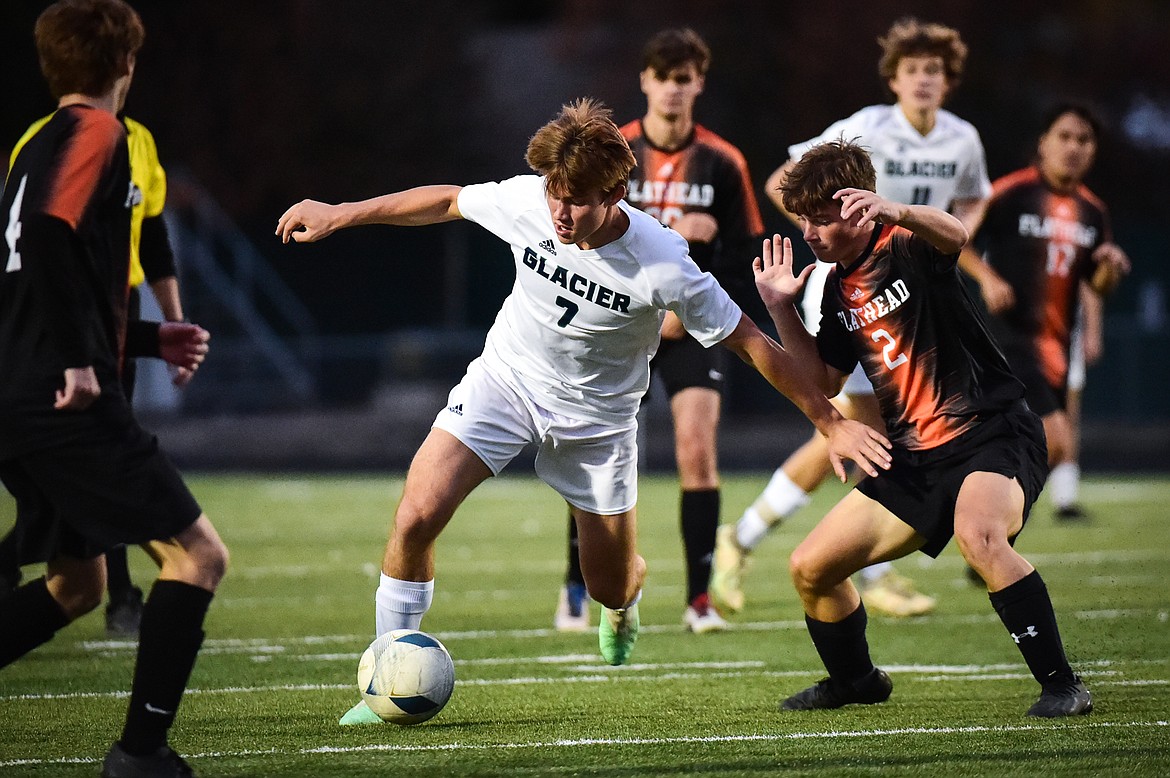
(264, 103)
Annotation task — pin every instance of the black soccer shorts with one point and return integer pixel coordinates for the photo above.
(683, 364)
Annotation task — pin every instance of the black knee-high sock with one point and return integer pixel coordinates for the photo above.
(699, 519)
(842, 645)
(117, 571)
(9, 561)
(1026, 610)
(168, 641)
(574, 575)
(29, 616)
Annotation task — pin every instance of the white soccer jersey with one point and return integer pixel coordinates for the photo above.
(945, 165)
(580, 326)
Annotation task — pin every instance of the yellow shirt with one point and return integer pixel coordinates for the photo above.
(147, 175)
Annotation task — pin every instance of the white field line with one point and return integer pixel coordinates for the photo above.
(281, 645)
(1102, 671)
(650, 741)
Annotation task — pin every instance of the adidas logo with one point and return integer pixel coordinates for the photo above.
(456, 409)
(548, 246)
(855, 294)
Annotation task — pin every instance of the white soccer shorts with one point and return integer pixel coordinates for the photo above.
(593, 466)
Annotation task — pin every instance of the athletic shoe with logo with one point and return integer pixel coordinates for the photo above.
(895, 595)
(828, 694)
(727, 568)
(359, 714)
(1063, 697)
(617, 633)
(701, 616)
(572, 609)
(163, 763)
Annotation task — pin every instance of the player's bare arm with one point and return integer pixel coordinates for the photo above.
(1112, 266)
(779, 287)
(997, 293)
(697, 227)
(848, 439)
(310, 220)
(935, 226)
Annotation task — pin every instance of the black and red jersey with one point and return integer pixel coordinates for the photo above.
(708, 175)
(1041, 242)
(65, 258)
(902, 310)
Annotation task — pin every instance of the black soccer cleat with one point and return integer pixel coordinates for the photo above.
(828, 694)
(124, 613)
(163, 763)
(1063, 697)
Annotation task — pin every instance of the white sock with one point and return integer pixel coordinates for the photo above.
(401, 604)
(874, 572)
(1063, 484)
(781, 498)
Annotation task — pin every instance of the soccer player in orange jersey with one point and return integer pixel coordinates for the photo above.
(968, 455)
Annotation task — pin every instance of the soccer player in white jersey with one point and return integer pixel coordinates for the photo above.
(923, 155)
(566, 361)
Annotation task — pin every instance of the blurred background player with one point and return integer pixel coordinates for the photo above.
(694, 181)
(924, 155)
(84, 475)
(1045, 245)
(153, 261)
(968, 454)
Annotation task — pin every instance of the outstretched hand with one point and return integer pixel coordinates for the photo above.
(775, 281)
(849, 439)
(305, 222)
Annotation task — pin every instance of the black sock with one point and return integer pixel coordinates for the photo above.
(117, 572)
(29, 616)
(574, 574)
(1026, 611)
(9, 563)
(168, 641)
(699, 519)
(842, 646)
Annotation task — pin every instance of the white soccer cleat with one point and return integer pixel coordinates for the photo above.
(896, 595)
(727, 568)
(701, 616)
(572, 609)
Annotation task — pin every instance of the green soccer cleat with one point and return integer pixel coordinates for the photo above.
(359, 714)
(617, 633)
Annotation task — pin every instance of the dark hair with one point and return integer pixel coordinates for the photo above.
(909, 37)
(581, 151)
(824, 170)
(1080, 110)
(670, 49)
(83, 45)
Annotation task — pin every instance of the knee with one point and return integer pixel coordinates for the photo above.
(213, 563)
(975, 541)
(697, 463)
(77, 594)
(808, 575)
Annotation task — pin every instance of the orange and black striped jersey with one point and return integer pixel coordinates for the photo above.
(705, 175)
(63, 288)
(1041, 242)
(902, 310)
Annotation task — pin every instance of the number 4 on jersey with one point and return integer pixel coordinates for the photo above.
(12, 231)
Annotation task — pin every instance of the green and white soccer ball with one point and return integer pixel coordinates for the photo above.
(406, 676)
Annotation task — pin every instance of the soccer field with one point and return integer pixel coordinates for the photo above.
(296, 611)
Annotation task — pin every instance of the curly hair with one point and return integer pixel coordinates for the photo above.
(908, 37)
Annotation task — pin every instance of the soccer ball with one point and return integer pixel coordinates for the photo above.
(406, 676)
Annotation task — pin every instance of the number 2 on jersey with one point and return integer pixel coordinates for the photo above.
(888, 349)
